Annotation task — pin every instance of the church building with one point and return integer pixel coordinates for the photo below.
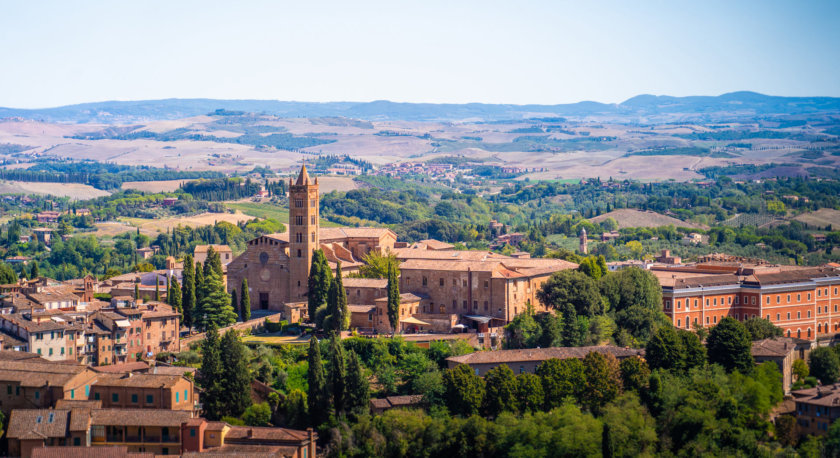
(277, 265)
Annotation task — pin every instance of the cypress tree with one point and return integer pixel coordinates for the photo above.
(337, 373)
(175, 302)
(168, 290)
(157, 288)
(320, 278)
(136, 292)
(188, 291)
(236, 378)
(318, 399)
(341, 300)
(245, 301)
(199, 294)
(34, 272)
(358, 389)
(210, 376)
(234, 302)
(393, 297)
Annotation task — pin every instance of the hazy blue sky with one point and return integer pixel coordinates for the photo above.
(61, 52)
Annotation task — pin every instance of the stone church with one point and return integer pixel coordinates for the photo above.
(277, 265)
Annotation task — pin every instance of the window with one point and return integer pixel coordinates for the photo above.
(486, 283)
(51, 351)
(667, 305)
(72, 394)
(313, 203)
(753, 300)
(788, 315)
(177, 397)
(679, 305)
(8, 389)
(115, 397)
(476, 372)
(37, 395)
(192, 432)
(707, 302)
(87, 390)
(134, 398)
(300, 254)
(736, 299)
(798, 315)
(679, 323)
(714, 302)
(809, 314)
(441, 282)
(313, 236)
(521, 369)
(798, 298)
(186, 396)
(96, 396)
(312, 219)
(425, 281)
(150, 399)
(768, 300)
(77, 441)
(788, 298)
(695, 303)
(298, 203)
(809, 296)
(768, 317)
(778, 299)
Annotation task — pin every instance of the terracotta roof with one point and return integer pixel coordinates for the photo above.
(303, 177)
(12, 355)
(138, 380)
(139, 417)
(795, 276)
(432, 244)
(36, 374)
(361, 308)
(38, 424)
(540, 354)
(460, 255)
(777, 346)
(331, 234)
(242, 450)
(120, 451)
(122, 368)
(365, 282)
(239, 433)
(216, 248)
(78, 404)
(404, 297)
(827, 395)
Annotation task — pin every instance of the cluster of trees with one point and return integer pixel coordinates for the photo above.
(205, 303)
(100, 175)
(327, 298)
(224, 376)
(222, 188)
(590, 309)
(683, 402)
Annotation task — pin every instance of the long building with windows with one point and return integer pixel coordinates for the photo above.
(804, 302)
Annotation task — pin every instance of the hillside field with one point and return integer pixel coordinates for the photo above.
(636, 218)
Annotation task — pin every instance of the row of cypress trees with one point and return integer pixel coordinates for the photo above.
(341, 388)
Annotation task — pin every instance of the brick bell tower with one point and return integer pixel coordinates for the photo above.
(303, 232)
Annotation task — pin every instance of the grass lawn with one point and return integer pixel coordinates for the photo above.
(275, 340)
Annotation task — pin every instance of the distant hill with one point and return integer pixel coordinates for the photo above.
(626, 217)
(726, 106)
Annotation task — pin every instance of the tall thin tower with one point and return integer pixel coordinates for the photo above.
(303, 232)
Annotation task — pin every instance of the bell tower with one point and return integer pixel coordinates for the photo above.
(303, 232)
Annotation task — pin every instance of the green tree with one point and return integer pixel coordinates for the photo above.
(824, 365)
(551, 330)
(632, 428)
(694, 352)
(215, 305)
(393, 290)
(522, 332)
(175, 295)
(318, 397)
(320, 278)
(500, 391)
(561, 378)
(570, 289)
(341, 300)
(786, 430)
(210, 376)
(137, 291)
(34, 272)
(257, 415)
(188, 299)
(157, 289)
(730, 346)
(236, 376)
(337, 374)
(358, 388)
(7, 274)
(200, 292)
(529, 392)
(665, 350)
(631, 287)
(603, 380)
(761, 328)
(832, 440)
(295, 410)
(234, 301)
(378, 265)
(463, 390)
(245, 301)
(635, 374)
(800, 369)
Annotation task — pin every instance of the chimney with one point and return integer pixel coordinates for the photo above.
(250, 432)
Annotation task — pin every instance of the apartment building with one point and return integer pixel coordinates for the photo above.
(817, 408)
(804, 302)
(134, 390)
(29, 383)
(527, 360)
(122, 432)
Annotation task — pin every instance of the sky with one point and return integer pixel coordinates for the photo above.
(59, 53)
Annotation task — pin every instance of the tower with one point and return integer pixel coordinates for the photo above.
(303, 232)
(583, 242)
